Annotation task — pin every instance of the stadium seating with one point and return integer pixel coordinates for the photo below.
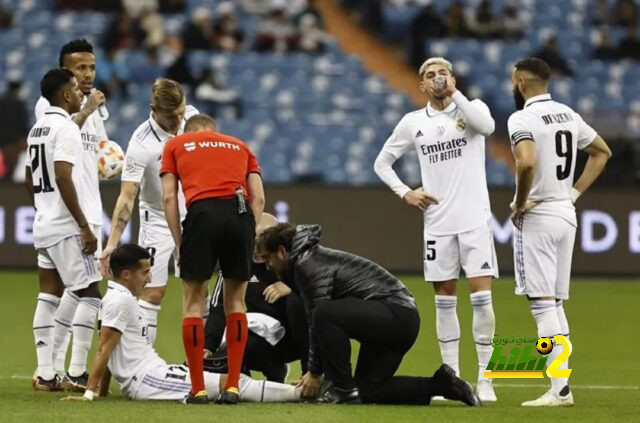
(324, 117)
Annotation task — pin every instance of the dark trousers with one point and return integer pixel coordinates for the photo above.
(269, 359)
(385, 332)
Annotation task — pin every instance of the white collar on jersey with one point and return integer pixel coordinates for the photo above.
(431, 112)
(160, 133)
(118, 287)
(55, 110)
(537, 98)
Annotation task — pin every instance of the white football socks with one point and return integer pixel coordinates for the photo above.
(448, 330)
(266, 391)
(564, 330)
(62, 329)
(484, 325)
(84, 323)
(151, 312)
(43, 333)
(546, 317)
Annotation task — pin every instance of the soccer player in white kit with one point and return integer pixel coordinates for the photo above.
(545, 136)
(449, 138)
(77, 312)
(141, 172)
(62, 236)
(126, 350)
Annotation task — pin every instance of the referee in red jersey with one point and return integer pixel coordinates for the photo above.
(222, 185)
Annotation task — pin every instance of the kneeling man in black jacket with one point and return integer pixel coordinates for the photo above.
(349, 297)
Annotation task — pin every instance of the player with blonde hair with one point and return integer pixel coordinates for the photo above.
(141, 173)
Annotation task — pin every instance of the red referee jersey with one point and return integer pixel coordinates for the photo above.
(209, 164)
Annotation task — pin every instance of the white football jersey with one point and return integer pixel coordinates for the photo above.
(142, 165)
(54, 137)
(92, 132)
(452, 159)
(557, 132)
(134, 354)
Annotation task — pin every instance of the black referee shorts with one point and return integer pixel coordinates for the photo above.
(213, 230)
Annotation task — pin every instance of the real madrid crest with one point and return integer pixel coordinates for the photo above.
(460, 124)
(440, 129)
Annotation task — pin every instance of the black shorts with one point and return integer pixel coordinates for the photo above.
(213, 230)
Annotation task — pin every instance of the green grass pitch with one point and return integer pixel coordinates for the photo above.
(603, 316)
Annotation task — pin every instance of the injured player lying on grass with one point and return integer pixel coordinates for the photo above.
(126, 352)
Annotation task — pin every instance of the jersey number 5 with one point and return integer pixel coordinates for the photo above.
(430, 253)
(39, 160)
(564, 149)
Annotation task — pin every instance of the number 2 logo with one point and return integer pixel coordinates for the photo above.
(553, 369)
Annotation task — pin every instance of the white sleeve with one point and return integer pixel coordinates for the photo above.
(135, 162)
(41, 106)
(101, 133)
(519, 129)
(190, 111)
(586, 134)
(476, 112)
(116, 314)
(396, 145)
(68, 142)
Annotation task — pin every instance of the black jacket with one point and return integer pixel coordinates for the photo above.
(321, 273)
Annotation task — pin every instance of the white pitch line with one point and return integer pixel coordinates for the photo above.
(20, 377)
(597, 387)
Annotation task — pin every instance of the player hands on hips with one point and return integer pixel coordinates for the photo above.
(448, 136)
(545, 138)
(222, 185)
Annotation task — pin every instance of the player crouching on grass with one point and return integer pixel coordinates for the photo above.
(349, 297)
(126, 352)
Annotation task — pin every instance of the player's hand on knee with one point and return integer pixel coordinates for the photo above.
(88, 240)
(420, 199)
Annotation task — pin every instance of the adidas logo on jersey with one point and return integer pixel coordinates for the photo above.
(189, 146)
(485, 266)
(41, 344)
(418, 134)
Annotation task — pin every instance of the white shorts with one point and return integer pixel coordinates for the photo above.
(97, 232)
(542, 256)
(172, 383)
(161, 247)
(446, 255)
(76, 269)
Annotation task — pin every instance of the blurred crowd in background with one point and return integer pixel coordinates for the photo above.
(137, 41)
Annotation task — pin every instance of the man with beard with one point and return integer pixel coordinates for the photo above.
(545, 136)
(449, 138)
(78, 310)
(349, 297)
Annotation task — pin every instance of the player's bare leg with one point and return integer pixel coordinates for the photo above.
(447, 324)
(547, 320)
(236, 335)
(484, 326)
(194, 294)
(150, 301)
(51, 289)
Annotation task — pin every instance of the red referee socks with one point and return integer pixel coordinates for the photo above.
(237, 333)
(193, 341)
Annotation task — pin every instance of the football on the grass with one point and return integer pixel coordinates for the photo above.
(544, 346)
(110, 159)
